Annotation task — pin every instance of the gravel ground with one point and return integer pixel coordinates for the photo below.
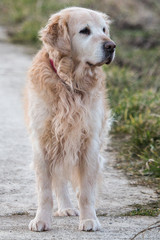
(17, 183)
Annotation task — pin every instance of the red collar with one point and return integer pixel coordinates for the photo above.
(52, 64)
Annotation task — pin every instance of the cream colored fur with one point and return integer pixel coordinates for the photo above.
(66, 115)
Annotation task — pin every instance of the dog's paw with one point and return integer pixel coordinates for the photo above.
(66, 212)
(89, 225)
(39, 225)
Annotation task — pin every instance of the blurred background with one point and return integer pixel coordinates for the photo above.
(133, 80)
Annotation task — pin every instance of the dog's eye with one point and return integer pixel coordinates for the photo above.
(104, 29)
(85, 30)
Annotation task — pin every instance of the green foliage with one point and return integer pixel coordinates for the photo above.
(137, 115)
(29, 30)
(151, 210)
(26, 17)
(134, 93)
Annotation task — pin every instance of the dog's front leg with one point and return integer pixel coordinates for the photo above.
(88, 219)
(42, 221)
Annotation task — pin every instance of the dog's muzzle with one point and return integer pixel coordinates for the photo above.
(109, 48)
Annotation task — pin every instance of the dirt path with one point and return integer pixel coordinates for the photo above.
(17, 184)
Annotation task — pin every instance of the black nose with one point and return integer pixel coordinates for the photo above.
(109, 46)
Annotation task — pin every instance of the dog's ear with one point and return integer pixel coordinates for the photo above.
(107, 19)
(55, 34)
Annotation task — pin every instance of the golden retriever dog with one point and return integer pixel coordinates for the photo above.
(66, 113)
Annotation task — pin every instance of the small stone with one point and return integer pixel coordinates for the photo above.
(158, 191)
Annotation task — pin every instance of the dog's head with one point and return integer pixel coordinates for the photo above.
(81, 34)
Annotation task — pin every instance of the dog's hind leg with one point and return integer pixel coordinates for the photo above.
(65, 207)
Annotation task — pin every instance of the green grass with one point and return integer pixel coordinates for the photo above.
(133, 79)
(26, 17)
(151, 210)
(134, 93)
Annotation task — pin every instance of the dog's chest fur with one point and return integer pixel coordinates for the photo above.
(66, 128)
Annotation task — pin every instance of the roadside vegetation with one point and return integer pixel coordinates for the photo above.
(151, 209)
(133, 79)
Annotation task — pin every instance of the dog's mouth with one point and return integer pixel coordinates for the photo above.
(107, 61)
